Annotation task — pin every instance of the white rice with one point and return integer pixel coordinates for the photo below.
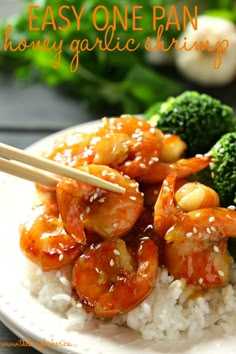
(168, 313)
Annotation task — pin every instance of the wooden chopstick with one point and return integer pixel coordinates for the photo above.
(31, 174)
(44, 164)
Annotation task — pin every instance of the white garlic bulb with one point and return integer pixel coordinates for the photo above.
(208, 67)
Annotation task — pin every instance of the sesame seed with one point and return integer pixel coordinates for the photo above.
(213, 228)
(61, 257)
(152, 130)
(138, 130)
(116, 252)
(125, 176)
(200, 280)
(155, 159)
(115, 225)
(142, 165)
(208, 230)
(199, 155)
(112, 262)
(231, 207)
(211, 219)
(132, 197)
(104, 173)
(136, 145)
(166, 189)
(211, 165)
(221, 273)
(189, 234)
(101, 200)
(198, 215)
(87, 210)
(61, 245)
(165, 183)
(127, 163)
(216, 249)
(194, 230)
(150, 162)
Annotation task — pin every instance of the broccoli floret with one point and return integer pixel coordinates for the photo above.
(199, 119)
(223, 168)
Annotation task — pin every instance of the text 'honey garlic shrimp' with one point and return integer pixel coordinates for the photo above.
(85, 208)
(44, 241)
(110, 280)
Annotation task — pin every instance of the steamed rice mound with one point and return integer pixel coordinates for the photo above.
(168, 313)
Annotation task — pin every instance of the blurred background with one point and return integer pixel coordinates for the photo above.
(37, 100)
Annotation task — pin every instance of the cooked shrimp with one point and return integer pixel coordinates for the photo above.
(195, 195)
(74, 150)
(44, 241)
(174, 199)
(110, 280)
(110, 150)
(166, 211)
(173, 148)
(196, 246)
(151, 191)
(144, 143)
(196, 241)
(95, 210)
(158, 171)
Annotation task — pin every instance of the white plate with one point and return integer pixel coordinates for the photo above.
(34, 323)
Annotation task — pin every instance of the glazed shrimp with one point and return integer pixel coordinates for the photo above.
(74, 150)
(173, 148)
(151, 191)
(144, 143)
(179, 196)
(165, 210)
(158, 171)
(110, 280)
(195, 195)
(44, 241)
(85, 208)
(196, 241)
(196, 246)
(126, 143)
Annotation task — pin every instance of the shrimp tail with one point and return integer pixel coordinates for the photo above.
(158, 171)
(165, 211)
